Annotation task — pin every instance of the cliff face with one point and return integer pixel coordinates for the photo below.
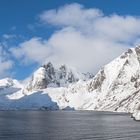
(118, 83)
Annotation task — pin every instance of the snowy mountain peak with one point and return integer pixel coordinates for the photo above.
(49, 76)
(8, 82)
(49, 67)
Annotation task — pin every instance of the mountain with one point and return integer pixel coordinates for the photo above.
(50, 76)
(118, 83)
(116, 87)
(8, 87)
(31, 94)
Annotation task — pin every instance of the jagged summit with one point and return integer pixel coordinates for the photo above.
(49, 76)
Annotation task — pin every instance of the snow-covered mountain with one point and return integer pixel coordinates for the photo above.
(30, 95)
(116, 87)
(50, 76)
(8, 86)
(118, 83)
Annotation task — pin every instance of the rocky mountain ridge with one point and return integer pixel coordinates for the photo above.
(49, 76)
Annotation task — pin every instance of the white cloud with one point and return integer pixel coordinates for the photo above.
(9, 36)
(5, 64)
(4, 68)
(87, 38)
(118, 28)
(85, 53)
(93, 22)
(71, 15)
(32, 50)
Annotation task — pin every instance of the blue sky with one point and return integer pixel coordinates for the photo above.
(24, 24)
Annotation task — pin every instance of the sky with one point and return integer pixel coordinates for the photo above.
(85, 34)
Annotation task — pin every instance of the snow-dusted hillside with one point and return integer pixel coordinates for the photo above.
(116, 87)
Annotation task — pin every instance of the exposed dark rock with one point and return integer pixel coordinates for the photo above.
(137, 49)
(129, 51)
(97, 82)
(49, 76)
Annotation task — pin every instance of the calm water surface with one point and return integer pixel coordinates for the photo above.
(67, 125)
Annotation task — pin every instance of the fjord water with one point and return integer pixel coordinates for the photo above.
(67, 125)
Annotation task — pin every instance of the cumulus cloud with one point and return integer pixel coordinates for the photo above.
(32, 50)
(86, 38)
(71, 15)
(93, 21)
